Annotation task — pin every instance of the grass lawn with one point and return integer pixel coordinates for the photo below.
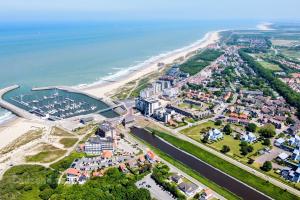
(68, 142)
(240, 174)
(235, 147)
(189, 106)
(48, 154)
(270, 66)
(194, 132)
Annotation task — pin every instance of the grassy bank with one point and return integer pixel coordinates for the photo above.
(230, 169)
(220, 190)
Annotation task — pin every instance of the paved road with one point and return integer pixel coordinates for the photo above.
(231, 160)
(208, 171)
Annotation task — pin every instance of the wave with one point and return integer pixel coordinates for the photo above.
(140, 64)
(5, 116)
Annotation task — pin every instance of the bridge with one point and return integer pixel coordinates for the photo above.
(110, 108)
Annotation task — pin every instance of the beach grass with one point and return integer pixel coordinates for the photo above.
(47, 154)
(22, 140)
(68, 142)
(60, 132)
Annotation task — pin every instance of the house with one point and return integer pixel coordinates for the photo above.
(279, 142)
(282, 156)
(291, 175)
(206, 194)
(123, 168)
(190, 189)
(150, 156)
(296, 155)
(249, 137)
(232, 120)
(73, 175)
(106, 154)
(177, 178)
(276, 123)
(132, 164)
(215, 134)
(294, 141)
(142, 159)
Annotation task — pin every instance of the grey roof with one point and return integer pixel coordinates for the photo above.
(187, 187)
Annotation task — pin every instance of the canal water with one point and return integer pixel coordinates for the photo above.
(204, 169)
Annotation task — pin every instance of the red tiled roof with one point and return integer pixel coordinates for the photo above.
(73, 171)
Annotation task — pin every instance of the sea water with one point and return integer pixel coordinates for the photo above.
(45, 54)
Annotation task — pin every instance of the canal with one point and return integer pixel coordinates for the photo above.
(204, 169)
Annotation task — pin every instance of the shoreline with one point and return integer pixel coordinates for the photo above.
(101, 88)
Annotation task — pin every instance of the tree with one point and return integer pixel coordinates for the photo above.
(225, 149)
(244, 150)
(267, 131)
(289, 120)
(266, 142)
(205, 138)
(267, 166)
(227, 129)
(218, 123)
(251, 127)
(250, 149)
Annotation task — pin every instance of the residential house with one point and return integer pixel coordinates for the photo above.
(72, 175)
(294, 141)
(215, 134)
(190, 189)
(296, 155)
(177, 178)
(279, 142)
(249, 137)
(206, 194)
(150, 156)
(282, 156)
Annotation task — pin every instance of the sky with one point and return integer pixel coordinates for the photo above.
(41, 10)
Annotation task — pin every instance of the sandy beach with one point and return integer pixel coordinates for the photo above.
(16, 128)
(100, 89)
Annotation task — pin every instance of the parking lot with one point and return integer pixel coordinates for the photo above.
(156, 191)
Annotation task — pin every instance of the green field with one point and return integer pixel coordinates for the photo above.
(68, 142)
(194, 131)
(189, 106)
(197, 132)
(270, 66)
(240, 174)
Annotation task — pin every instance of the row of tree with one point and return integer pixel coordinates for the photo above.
(292, 97)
